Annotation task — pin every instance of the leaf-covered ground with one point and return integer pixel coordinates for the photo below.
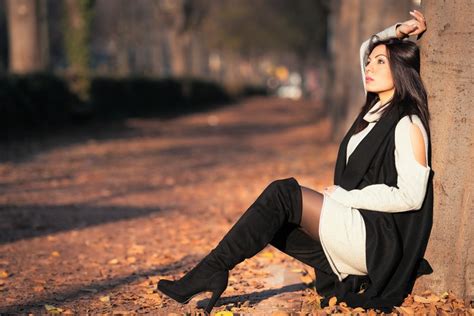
(91, 218)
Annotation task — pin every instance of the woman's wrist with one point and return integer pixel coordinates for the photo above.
(400, 34)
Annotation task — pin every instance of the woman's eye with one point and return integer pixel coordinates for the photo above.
(381, 61)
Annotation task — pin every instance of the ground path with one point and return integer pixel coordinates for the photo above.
(90, 219)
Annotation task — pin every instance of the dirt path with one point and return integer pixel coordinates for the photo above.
(90, 220)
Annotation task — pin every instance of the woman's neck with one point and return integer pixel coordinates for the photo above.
(386, 96)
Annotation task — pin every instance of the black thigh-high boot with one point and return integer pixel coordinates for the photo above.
(278, 204)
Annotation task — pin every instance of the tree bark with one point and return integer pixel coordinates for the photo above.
(447, 55)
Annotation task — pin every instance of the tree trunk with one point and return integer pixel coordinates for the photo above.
(178, 44)
(43, 33)
(24, 42)
(447, 55)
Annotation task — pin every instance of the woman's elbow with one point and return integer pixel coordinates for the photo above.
(416, 203)
(419, 204)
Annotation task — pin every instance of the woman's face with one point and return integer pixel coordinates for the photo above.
(378, 77)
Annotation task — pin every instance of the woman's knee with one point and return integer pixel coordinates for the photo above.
(282, 184)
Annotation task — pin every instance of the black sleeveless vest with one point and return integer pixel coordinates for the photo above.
(396, 242)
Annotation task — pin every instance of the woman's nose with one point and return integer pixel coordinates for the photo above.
(368, 68)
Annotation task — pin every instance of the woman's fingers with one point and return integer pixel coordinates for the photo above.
(415, 26)
(419, 21)
(419, 15)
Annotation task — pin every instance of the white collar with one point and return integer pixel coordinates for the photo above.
(373, 117)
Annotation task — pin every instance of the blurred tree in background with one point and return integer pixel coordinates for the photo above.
(27, 27)
(78, 16)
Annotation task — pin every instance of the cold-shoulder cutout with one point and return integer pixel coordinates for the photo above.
(417, 144)
(411, 142)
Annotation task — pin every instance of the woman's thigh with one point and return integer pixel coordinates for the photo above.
(311, 212)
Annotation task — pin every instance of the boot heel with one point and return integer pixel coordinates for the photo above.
(220, 284)
(212, 301)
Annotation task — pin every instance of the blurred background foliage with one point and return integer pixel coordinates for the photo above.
(120, 58)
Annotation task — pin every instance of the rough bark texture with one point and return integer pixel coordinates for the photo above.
(353, 21)
(23, 27)
(447, 55)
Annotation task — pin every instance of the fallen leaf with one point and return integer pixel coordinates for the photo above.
(55, 254)
(3, 274)
(306, 279)
(267, 254)
(150, 291)
(405, 310)
(38, 288)
(371, 312)
(146, 283)
(343, 307)
(131, 259)
(113, 261)
(53, 309)
(332, 301)
(420, 299)
(426, 300)
(426, 293)
(136, 250)
(224, 313)
(105, 299)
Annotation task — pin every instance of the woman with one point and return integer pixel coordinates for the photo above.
(366, 235)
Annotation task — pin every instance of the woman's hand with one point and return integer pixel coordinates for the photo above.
(330, 189)
(415, 26)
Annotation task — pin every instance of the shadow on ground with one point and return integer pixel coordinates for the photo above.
(37, 303)
(28, 221)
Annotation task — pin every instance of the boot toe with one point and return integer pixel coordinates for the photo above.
(168, 288)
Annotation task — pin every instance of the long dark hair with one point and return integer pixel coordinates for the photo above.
(404, 60)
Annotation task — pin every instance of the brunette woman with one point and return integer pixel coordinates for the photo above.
(366, 235)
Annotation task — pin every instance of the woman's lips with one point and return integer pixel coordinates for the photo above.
(368, 79)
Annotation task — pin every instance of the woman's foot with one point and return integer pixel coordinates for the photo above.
(202, 278)
(278, 204)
